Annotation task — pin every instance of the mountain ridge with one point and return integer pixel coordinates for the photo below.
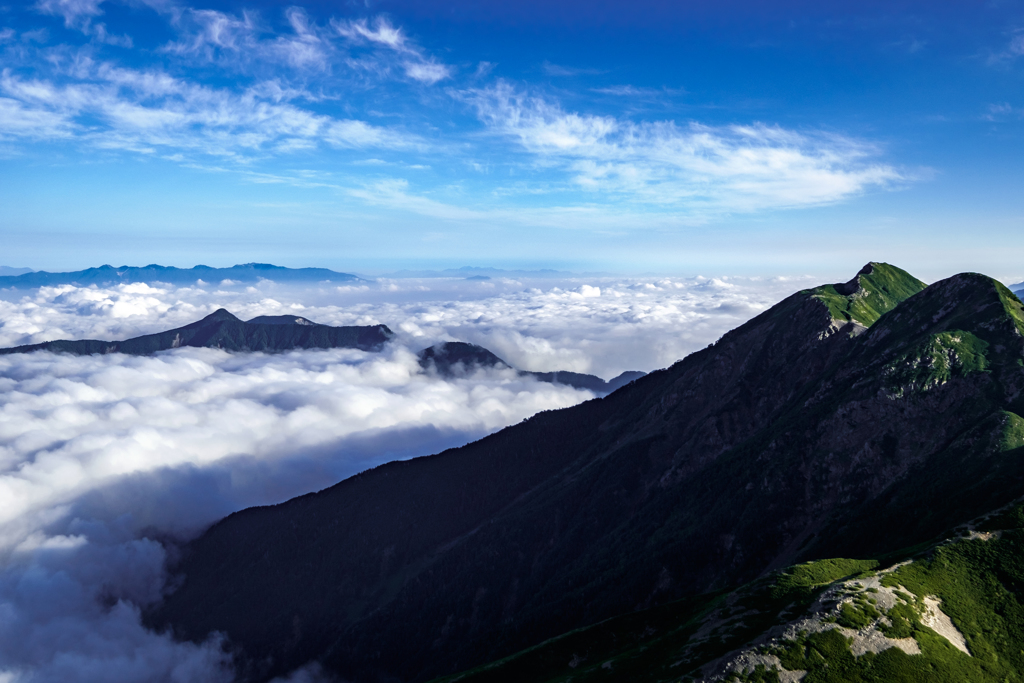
(660, 491)
(153, 273)
(452, 359)
(223, 330)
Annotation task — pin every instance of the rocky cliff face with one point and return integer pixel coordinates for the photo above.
(853, 418)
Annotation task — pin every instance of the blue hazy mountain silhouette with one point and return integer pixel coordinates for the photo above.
(109, 275)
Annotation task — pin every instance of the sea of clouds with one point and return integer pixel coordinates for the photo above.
(108, 463)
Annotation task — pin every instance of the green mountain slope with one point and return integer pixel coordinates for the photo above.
(800, 435)
(952, 612)
(876, 289)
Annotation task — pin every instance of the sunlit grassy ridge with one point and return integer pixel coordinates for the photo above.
(820, 573)
(1013, 305)
(877, 289)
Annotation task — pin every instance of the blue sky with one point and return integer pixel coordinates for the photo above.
(728, 137)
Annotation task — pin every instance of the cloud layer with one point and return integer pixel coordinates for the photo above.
(106, 462)
(598, 325)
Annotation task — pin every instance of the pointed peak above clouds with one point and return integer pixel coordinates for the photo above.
(873, 291)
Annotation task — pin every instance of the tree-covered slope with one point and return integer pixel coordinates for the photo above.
(222, 330)
(800, 435)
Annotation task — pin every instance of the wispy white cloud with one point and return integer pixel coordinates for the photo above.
(242, 40)
(1016, 46)
(428, 72)
(79, 15)
(729, 168)
(382, 33)
(1010, 51)
(1001, 112)
(413, 61)
(559, 70)
(76, 13)
(634, 91)
(104, 104)
(208, 30)
(119, 108)
(20, 121)
(483, 69)
(394, 193)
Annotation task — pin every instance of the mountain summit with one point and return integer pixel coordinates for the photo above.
(848, 420)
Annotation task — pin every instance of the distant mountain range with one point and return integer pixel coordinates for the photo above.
(109, 275)
(864, 419)
(222, 330)
(6, 271)
(457, 358)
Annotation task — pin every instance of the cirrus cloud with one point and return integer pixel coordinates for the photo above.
(693, 166)
(147, 111)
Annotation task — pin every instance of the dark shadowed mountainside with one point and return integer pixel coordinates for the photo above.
(109, 275)
(222, 330)
(454, 359)
(848, 420)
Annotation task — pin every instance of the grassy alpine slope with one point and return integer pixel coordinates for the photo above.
(777, 629)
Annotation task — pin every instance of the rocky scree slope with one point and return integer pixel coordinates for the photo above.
(831, 424)
(222, 330)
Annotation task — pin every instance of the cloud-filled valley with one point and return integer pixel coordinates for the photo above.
(530, 178)
(107, 462)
